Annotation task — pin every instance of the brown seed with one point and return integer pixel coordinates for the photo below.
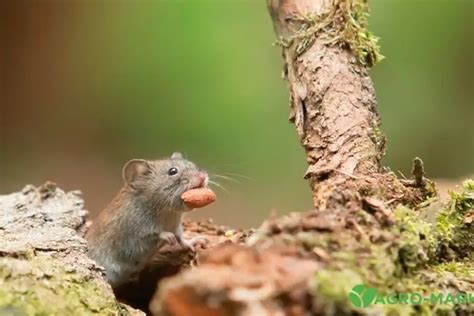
(196, 198)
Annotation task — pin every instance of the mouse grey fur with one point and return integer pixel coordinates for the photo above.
(146, 213)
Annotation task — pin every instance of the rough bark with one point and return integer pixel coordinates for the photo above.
(236, 280)
(327, 52)
(172, 260)
(44, 269)
(305, 264)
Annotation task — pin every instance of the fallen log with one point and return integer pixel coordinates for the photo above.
(44, 269)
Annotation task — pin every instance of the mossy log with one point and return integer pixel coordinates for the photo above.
(299, 264)
(305, 264)
(44, 269)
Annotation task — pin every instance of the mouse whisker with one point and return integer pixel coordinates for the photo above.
(238, 175)
(226, 177)
(219, 186)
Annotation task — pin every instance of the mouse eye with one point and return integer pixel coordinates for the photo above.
(172, 171)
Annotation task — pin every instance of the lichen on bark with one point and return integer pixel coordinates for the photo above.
(42, 286)
(344, 24)
(44, 269)
(454, 227)
(327, 50)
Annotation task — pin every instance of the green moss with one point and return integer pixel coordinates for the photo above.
(355, 32)
(332, 286)
(41, 286)
(399, 264)
(336, 284)
(402, 258)
(455, 235)
(379, 139)
(458, 269)
(414, 242)
(346, 25)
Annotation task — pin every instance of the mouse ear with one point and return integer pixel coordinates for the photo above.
(134, 170)
(176, 155)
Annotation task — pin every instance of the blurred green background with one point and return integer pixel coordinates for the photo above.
(87, 85)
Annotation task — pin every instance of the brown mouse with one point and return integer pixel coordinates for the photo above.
(146, 212)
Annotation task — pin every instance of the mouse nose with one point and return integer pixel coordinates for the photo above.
(202, 178)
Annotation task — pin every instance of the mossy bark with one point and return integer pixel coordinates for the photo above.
(327, 51)
(300, 265)
(44, 269)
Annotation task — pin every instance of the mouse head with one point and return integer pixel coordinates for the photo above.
(161, 182)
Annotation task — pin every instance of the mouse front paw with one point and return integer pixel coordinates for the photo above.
(169, 238)
(190, 243)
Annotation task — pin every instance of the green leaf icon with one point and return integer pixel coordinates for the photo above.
(361, 295)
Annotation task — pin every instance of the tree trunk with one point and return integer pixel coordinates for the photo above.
(327, 51)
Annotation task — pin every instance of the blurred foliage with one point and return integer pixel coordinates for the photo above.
(90, 84)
